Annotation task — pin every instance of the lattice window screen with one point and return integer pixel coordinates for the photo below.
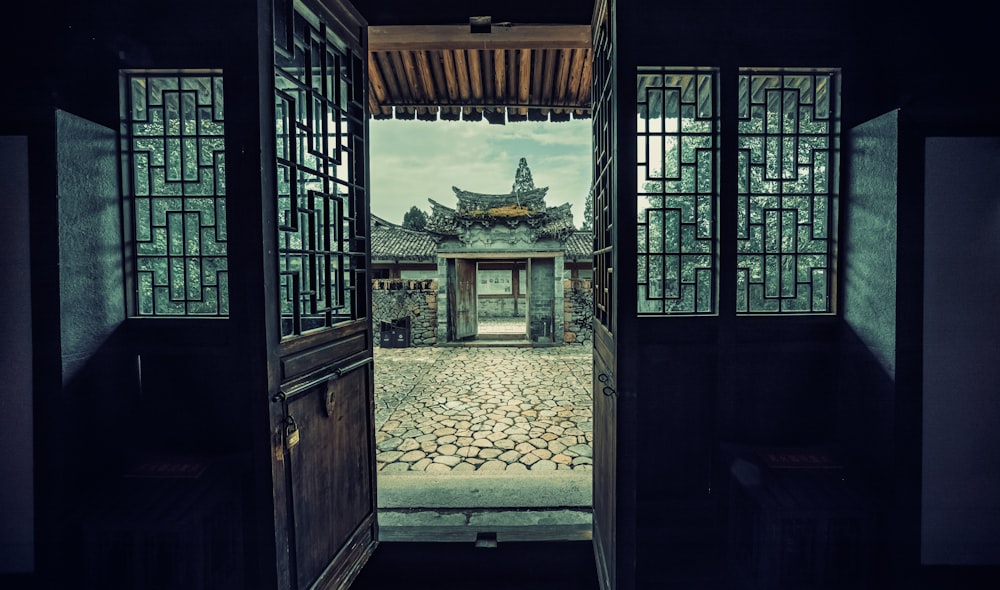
(319, 127)
(677, 190)
(787, 191)
(174, 167)
(604, 180)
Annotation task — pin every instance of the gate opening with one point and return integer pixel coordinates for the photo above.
(487, 427)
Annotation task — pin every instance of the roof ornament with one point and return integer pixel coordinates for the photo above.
(524, 204)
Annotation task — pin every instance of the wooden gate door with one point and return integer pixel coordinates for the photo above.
(319, 335)
(466, 313)
(614, 474)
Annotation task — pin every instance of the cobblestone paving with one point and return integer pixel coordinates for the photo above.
(483, 409)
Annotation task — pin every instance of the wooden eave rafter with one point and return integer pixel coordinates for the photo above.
(512, 73)
(501, 36)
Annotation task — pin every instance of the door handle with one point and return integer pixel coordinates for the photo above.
(325, 375)
(607, 390)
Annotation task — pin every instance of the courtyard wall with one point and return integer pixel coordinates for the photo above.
(417, 299)
(578, 311)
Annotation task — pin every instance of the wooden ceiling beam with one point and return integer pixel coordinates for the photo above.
(524, 80)
(410, 69)
(586, 79)
(475, 75)
(499, 74)
(401, 77)
(451, 81)
(548, 75)
(576, 92)
(562, 77)
(385, 66)
(489, 92)
(424, 73)
(513, 36)
(437, 70)
(462, 72)
(378, 91)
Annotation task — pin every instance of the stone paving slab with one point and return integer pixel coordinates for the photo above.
(483, 409)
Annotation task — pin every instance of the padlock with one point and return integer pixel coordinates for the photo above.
(291, 433)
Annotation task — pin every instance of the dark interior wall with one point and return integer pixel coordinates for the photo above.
(87, 417)
(709, 387)
(867, 392)
(870, 235)
(190, 395)
(91, 293)
(960, 501)
(774, 383)
(92, 412)
(17, 535)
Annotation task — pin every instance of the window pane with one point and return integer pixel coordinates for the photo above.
(321, 195)
(787, 163)
(677, 190)
(173, 140)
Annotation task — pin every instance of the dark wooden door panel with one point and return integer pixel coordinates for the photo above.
(330, 502)
(605, 452)
(466, 320)
(614, 479)
(320, 346)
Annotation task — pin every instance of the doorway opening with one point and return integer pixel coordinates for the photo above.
(489, 429)
(502, 301)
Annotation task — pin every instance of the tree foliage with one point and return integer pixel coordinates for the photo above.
(415, 219)
(588, 211)
(522, 178)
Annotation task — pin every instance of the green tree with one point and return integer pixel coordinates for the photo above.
(588, 211)
(415, 219)
(522, 178)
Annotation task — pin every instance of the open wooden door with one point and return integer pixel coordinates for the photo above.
(466, 312)
(319, 329)
(614, 474)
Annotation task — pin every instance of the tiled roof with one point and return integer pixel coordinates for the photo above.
(391, 242)
(580, 245)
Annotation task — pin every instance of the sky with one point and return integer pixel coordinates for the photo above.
(412, 161)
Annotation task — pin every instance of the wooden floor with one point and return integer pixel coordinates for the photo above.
(567, 565)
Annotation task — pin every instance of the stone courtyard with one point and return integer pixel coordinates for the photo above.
(483, 409)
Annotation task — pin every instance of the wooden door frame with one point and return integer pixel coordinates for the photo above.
(615, 563)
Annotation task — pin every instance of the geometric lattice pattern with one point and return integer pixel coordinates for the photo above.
(319, 128)
(605, 182)
(174, 179)
(787, 191)
(677, 190)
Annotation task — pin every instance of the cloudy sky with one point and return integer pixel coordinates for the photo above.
(412, 161)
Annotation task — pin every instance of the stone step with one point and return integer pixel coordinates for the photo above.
(485, 528)
(478, 490)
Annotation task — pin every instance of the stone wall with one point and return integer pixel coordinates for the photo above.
(578, 310)
(393, 299)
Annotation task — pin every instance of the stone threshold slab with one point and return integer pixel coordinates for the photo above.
(474, 526)
(527, 489)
